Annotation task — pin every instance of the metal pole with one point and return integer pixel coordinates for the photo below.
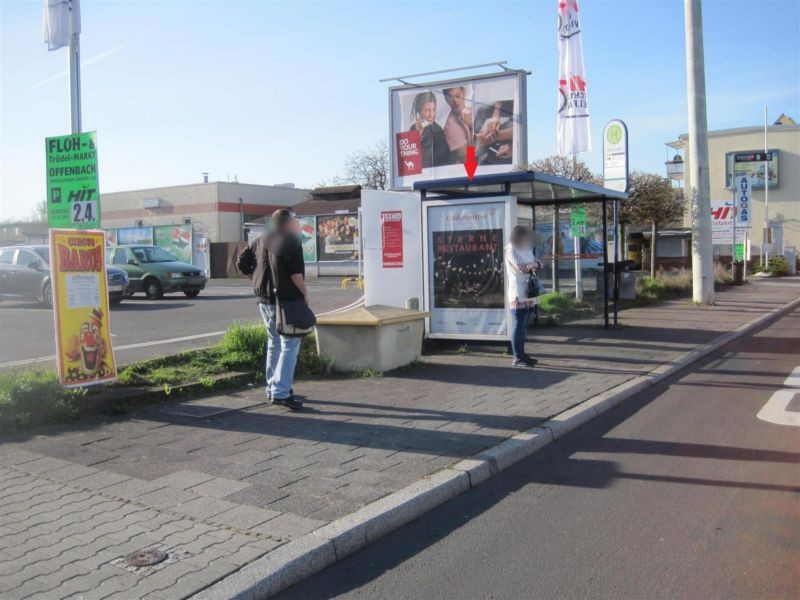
(554, 249)
(767, 228)
(702, 250)
(605, 263)
(74, 69)
(616, 261)
(578, 280)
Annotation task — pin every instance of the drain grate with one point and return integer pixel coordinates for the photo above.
(145, 558)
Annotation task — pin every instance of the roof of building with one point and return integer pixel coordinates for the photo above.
(327, 201)
(783, 123)
(283, 186)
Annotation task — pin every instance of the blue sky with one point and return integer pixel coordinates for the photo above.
(282, 91)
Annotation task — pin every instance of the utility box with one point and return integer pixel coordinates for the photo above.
(377, 337)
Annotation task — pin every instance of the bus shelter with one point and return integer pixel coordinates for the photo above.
(464, 225)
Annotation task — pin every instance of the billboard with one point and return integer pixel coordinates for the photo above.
(337, 237)
(750, 164)
(308, 237)
(175, 239)
(433, 124)
(127, 236)
(80, 300)
(464, 269)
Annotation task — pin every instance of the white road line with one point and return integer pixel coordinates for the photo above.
(774, 411)
(793, 380)
(28, 361)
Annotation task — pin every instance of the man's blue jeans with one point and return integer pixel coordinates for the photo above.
(519, 328)
(282, 354)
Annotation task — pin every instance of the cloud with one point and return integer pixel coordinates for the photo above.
(94, 59)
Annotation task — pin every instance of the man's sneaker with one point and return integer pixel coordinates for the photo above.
(280, 401)
(290, 402)
(522, 364)
(531, 360)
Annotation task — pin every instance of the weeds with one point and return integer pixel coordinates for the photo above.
(34, 398)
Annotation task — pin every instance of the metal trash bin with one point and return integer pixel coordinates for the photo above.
(738, 272)
(627, 279)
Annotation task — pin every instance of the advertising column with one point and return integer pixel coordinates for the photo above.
(464, 267)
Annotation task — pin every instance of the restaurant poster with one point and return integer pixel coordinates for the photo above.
(465, 271)
(175, 239)
(80, 300)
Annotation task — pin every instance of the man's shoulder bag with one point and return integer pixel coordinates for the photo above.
(294, 317)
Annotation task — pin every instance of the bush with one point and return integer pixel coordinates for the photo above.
(245, 338)
(556, 303)
(35, 398)
(651, 290)
(778, 265)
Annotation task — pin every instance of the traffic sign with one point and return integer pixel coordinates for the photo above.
(73, 195)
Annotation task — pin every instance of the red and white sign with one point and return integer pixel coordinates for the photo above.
(392, 239)
(409, 153)
(722, 215)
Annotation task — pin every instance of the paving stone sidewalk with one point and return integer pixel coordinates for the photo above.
(221, 481)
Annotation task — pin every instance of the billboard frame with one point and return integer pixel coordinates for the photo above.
(522, 82)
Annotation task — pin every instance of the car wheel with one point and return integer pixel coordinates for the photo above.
(153, 289)
(47, 295)
(192, 293)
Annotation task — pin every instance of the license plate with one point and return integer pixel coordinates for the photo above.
(115, 288)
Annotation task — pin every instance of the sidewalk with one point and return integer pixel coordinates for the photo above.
(222, 481)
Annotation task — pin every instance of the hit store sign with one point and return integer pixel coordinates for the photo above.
(73, 195)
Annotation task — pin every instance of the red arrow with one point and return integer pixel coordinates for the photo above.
(470, 164)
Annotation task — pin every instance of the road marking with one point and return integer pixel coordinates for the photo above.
(793, 380)
(774, 411)
(28, 361)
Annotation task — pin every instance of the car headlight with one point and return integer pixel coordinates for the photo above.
(175, 275)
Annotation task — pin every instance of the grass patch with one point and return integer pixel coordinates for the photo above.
(33, 398)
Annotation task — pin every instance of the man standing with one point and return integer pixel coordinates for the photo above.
(287, 258)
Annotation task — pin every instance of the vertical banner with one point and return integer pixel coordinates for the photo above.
(80, 300)
(308, 237)
(466, 294)
(392, 239)
(743, 201)
(573, 107)
(175, 239)
(73, 194)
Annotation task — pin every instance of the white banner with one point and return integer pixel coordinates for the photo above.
(62, 18)
(465, 271)
(573, 108)
(744, 200)
(722, 216)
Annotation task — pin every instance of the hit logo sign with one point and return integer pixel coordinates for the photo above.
(73, 196)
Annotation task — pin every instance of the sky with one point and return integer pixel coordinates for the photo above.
(282, 91)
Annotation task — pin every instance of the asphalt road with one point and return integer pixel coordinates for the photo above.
(143, 328)
(682, 492)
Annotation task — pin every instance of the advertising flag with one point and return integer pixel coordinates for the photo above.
(573, 109)
(62, 18)
(80, 300)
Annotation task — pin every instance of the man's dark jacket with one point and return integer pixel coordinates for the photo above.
(254, 260)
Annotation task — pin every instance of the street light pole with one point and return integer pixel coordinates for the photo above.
(699, 187)
(74, 69)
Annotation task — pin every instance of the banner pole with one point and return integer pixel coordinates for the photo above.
(74, 68)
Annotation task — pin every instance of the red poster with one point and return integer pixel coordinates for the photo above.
(392, 239)
(409, 153)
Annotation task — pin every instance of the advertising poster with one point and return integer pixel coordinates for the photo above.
(80, 300)
(337, 237)
(111, 237)
(722, 214)
(750, 164)
(392, 239)
(308, 238)
(73, 195)
(127, 236)
(175, 239)
(465, 268)
(433, 124)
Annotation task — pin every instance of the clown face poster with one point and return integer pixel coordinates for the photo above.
(80, 298)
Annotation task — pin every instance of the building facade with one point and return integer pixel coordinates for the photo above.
(741, 151)
(216, 210)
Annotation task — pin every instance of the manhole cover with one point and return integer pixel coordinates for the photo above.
(145, 558)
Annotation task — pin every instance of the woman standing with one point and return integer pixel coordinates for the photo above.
(520, 265)
(435, 151)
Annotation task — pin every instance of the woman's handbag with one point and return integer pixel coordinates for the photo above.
(294, 317)
(534, 287)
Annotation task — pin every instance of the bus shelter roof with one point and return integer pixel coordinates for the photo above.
(530, 188)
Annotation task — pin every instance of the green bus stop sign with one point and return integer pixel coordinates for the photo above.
(73, 196)
(578, 220)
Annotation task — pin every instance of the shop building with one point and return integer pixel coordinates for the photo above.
(741, 151)
(217, 210)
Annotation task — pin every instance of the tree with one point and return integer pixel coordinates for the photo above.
(39, 214)
(652, 201)
(369, 168)
(565, 166)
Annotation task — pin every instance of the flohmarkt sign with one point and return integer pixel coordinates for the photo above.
(73, 196)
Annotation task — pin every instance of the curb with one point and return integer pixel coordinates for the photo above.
(309, 554)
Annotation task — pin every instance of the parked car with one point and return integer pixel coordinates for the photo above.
(155, 271)
(25, 274)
